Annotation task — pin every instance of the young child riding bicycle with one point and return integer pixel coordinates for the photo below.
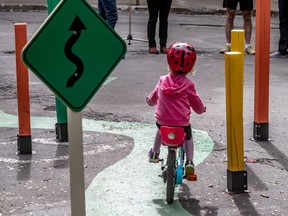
(174, 96)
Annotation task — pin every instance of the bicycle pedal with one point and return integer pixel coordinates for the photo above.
(191, 177)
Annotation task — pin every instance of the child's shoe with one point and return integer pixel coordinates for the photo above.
(153, 156)
(190, 171)
(189, 167)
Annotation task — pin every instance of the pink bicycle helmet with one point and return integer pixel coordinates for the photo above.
(181, 57)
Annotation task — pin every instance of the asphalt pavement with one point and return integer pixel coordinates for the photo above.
(119, 127)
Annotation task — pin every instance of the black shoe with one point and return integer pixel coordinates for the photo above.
(278, 55)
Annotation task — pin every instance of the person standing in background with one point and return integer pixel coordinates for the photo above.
(157, 8)
(108, 11)
(283, 26)
(246, 7)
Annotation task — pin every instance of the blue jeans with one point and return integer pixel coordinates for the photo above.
(108, 11)
(283, 26)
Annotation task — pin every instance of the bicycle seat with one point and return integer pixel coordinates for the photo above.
(172, 136)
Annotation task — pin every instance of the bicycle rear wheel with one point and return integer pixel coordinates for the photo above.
(171, 174)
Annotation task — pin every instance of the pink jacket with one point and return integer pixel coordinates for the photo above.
(174, 95)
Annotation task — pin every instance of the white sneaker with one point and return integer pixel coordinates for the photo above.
(249, 50)
(227, 48)
(278, 55)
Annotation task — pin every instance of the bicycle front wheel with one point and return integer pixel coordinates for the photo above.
(171, 174)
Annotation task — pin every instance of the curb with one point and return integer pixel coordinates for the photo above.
(21, 8)
(26, 8)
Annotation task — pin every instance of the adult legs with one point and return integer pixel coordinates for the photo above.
(108, 10)
(283, 26)
(247, 26)
(101, 10)
(153, 8)
(229, 25)
(165, 6)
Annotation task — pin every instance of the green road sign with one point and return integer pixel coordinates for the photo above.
(73, 52)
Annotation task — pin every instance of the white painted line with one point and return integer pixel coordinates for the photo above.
(109, 79)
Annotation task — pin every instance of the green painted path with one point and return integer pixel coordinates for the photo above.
(131, 186)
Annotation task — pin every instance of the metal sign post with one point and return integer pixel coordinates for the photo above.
(84, 50)
(76, 160)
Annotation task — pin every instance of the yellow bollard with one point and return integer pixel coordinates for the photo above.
(234, 69)
(237, 40)
(234, 78)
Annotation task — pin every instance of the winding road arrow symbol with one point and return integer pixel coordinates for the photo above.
(77, 26)
(78, 36)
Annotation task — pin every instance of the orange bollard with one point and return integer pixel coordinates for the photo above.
(262, 65)
(24, 145)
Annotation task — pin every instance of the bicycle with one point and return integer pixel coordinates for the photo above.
(173, 171)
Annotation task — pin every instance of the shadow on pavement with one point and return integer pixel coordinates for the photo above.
(275, 153)
(24, 169)
(244, 204)
(61, 152)
(254, 180)
(193, 205)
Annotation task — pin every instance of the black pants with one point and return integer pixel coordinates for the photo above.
(157, 8)
(283, 25)
(244, 4)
